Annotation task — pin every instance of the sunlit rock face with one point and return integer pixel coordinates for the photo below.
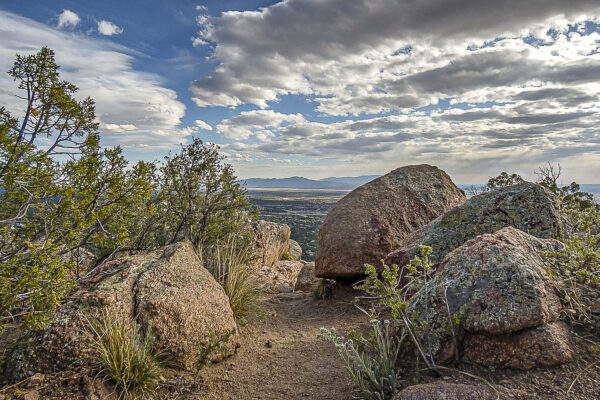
(372, 220)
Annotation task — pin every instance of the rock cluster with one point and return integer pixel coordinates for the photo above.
(489, 276)
(281, 276)
(169, 287)
(496, 287)
(527, 206)
(372, 220)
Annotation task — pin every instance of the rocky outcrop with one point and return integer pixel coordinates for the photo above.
(527, 206)
(281, 277)
(496, 287)
(295, 250)
(372, 220)
(169, 287)
(453, 391)
(307, 281)
(271, 241)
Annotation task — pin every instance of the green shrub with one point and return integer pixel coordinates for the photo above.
(372, 362)
(576, 267)
(215, 345)
(199, 199)
(286, 256)
(504, 179)
(230, 263)
(125, 355)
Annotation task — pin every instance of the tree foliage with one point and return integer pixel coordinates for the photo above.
(60, 191)
(199, 199)
(572, 196)
(504, 179)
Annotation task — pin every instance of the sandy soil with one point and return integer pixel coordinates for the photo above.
(282, 358)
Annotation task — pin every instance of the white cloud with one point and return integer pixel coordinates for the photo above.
(256, 123)
(203, 125)
(119, 128)
(134, 109)
(107, 28)
(68, 19)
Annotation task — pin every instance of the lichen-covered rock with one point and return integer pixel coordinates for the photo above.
(494, 284)
(169, 286)
(271, 241)
(526, 206)
(281, 276)
(544, 346)
(295, 250)
(184, 302)
(307, 281)
(373, 219)
(453, 391)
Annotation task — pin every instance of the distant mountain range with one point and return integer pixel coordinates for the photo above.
(298, 182)
(347, 183)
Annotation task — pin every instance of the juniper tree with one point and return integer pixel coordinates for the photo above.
(60, 191)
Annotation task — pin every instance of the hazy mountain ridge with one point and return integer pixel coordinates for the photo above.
(349, 182)
(298, 182)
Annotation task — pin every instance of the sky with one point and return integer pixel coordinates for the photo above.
(321, 88)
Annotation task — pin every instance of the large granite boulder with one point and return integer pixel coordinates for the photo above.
(373, 219)
(271, 241)
(497, 288)
(169, 287)
(526, 206)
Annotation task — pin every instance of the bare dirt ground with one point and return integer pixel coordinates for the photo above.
(281, 356)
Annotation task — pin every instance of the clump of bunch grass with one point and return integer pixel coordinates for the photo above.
(230, 262)
(126, 355)
(286, 256)
(371, 362)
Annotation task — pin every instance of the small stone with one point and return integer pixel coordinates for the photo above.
(32, 395)
(36, 380)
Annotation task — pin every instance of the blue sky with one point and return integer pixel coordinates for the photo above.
(331, 87)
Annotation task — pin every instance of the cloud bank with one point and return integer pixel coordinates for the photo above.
(468, 85)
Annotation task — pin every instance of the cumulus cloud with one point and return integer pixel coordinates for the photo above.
(520, 78)
(107, 28)
(133, 108)
(202, 125)
(68, 19)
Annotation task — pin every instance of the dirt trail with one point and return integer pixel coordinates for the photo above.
(281, 356)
